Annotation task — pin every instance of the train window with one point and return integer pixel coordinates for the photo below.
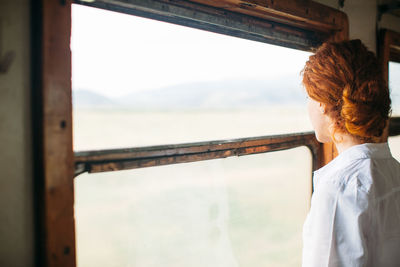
(394, 86)
(245, 211)
(291, 24)
(154, 83)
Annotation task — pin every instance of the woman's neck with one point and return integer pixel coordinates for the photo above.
(346, 141)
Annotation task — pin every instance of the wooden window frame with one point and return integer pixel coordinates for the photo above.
(141, 157)
(389, 50)
(297, 24)
(53, 158)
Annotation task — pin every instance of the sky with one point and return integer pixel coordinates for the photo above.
(115, 54)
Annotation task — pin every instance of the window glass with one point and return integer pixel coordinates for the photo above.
(394, 86)
(241, 211)
(140, 82)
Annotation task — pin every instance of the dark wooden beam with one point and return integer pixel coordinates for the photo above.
(390, 8)
(302, 14)
(304, 26)
(131, 158)
(52, 108)
(394, 126)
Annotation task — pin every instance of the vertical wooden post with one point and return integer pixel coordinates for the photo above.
(384, 53)
(53, 111)
(384, 39)
(328, 153)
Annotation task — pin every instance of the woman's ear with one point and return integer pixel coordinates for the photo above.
(322, 107)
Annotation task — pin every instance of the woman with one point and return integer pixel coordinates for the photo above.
(355, 209)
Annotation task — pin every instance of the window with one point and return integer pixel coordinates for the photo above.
(394, 86)
(191, 85)
(239, 211)
(144, 85)
(389, 53)
(290, 24)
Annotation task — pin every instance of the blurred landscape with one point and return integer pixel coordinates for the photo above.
(213, 95)
(245, 211)
(192, 112)
(241, 211)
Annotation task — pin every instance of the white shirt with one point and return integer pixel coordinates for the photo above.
(354, 218)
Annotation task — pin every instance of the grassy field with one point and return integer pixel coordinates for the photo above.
(100, 129)
(234, 212)
(242, 211)
(245, 211)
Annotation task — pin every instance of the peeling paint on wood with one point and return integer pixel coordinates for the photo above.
(122, 159)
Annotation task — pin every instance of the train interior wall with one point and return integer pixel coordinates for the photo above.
(16, 194)
(16, 178)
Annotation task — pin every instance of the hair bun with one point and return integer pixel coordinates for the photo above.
(362, 110)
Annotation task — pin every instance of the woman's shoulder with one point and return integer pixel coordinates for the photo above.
(370, 177)
(360, 166)
(339, 175)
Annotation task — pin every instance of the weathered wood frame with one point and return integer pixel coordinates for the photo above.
(140, 157)
(296, 24)
(389, 49)
(52, 123)
(132, 158)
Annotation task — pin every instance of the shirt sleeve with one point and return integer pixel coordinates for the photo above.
(333, 233)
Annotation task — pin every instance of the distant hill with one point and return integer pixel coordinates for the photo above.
(88, 99)
(201, 95)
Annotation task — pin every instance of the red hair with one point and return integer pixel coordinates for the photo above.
(346, 77)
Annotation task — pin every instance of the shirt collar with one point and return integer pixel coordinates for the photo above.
(362, 151)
